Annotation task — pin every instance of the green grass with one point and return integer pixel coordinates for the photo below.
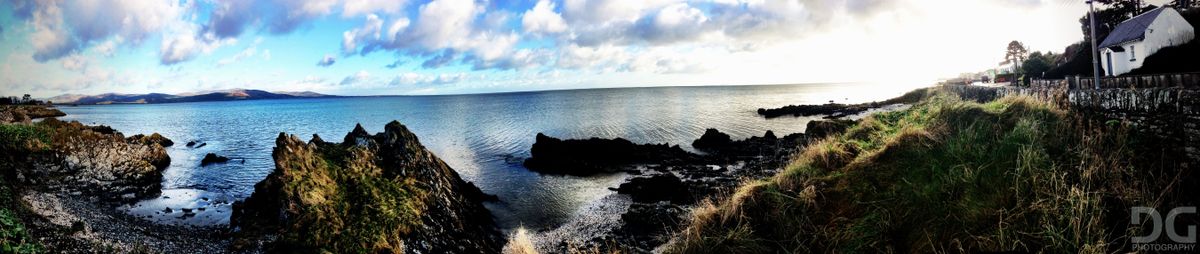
(14, 140)
(942, 176)
(19, 135)
(14, 236)
(347, 205)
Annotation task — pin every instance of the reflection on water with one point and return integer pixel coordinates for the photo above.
(183, 207)
(483, 137)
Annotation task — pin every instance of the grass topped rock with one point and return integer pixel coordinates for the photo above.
(58, 155)
(381, 193)
(26, 113)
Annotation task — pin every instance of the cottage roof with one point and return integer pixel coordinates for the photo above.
(1131, 30)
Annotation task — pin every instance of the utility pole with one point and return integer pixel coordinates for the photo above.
(1095, 59)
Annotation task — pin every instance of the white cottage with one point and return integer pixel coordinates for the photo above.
(1126, 47)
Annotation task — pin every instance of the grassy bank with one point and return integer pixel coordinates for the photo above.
(950, 176)
(14, 236)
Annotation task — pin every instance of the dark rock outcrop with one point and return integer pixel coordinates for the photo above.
(722, 149)
(830, 109)
(647, 224)
(822, 128)
(712, 139)
(381, 193)
(659, 187)
(211, 158)
(597, 155)
(153, 138)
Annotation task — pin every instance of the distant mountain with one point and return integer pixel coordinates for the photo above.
(225, 95)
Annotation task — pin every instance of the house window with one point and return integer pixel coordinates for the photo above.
(1132, 53)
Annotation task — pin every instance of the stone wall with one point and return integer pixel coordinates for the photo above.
(1169, 113)
(1184, 80)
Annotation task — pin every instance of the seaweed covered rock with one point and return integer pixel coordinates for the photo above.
(96, 160)
(596, 155)
(153, 138)
(381, 193)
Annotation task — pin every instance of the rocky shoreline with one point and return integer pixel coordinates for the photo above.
(65, 180)
(68, 178)
(26, 113)
(836, 110)
(667, 181)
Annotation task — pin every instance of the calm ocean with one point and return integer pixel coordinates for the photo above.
(484, 137)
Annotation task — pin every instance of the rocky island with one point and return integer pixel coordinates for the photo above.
(381, 193)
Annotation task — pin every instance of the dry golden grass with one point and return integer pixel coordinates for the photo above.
(520, 243)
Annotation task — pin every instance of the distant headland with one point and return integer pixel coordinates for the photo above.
(153, 98)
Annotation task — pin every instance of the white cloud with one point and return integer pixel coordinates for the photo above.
(50, 38)
(443, 24)
(676, 22)
(74, 62)
(444, 31)
(608, 12)
(326, 61)
(356, 78)
(543, 20)
(245, 53)
(395, 28)
(182, 44)
(369, 32)
(109, 47)
(417, 79)
(63, 27)
(354, 8)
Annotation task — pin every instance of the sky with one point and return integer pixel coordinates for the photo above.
(412, 47)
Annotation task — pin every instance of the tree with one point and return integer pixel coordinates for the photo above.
(1185, 4)
(1015, 54)
(26, 98)
(1111, 13)
(1038, 64)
